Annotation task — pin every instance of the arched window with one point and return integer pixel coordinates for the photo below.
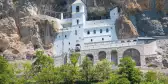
(101, 30)
(77, 8)
(77, 21)
(107, 30)
(94, 31)
(88, 32)
(91, 40)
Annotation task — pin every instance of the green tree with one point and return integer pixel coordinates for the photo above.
(127, 70)
(103, 70)
(69, 73)
(112, 80)
(115, 79)
(42, 61)
(150, 76)
(43, 69)
(6, 72)
(49, 75)
(23, 74)
(122, 81)
(162, 78)
(87, 70)
(74, 58)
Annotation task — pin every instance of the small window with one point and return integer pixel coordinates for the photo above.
(107, 30)
(69, 43)
(101, 30)
(77, 21)
(77, 8)
(94, 31)
(77, 44)
(134, 40)
(102, 39)
(76, 33)
(65, 36)
(88, 32)
(91, 40)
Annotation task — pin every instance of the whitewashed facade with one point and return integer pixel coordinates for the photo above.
(77, 31)
(97, 39)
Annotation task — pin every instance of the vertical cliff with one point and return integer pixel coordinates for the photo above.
(23, 30)
(125, 29)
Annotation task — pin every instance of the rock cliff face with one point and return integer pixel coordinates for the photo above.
(125, 28)
(22, 30)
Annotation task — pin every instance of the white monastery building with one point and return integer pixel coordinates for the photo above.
(97, 39)
(79, 32)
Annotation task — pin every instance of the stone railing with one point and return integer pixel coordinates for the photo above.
(110, 44)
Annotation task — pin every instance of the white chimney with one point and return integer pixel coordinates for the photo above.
(62, 16)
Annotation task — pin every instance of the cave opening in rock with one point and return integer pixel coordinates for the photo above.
(15, 51)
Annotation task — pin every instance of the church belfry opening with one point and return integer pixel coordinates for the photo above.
(77, 8)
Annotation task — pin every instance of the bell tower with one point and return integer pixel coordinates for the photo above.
(79, 13)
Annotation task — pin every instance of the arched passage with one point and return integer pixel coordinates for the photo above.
(77, 48)
(90, 56)
(135, 54)
(114, 57)
(102, 55)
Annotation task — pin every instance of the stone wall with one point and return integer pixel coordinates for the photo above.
(142, 49)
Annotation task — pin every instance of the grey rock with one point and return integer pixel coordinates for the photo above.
(149, 27)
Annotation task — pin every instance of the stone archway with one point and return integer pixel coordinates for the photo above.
(102, 55)
(114, 57)
(90, 56)
(77, 48)
(135, 54)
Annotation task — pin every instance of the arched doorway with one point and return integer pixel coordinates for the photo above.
(114, 56)
(102, 55)
(90, 56)
(135, 54)
(77, 48)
